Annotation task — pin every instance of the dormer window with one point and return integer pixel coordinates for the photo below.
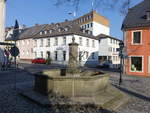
(59, 29)
(42, 32)
(45, 32)
(51, 30)
(148, 15)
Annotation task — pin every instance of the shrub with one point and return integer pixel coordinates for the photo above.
(48, 61)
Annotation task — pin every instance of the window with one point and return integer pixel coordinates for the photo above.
(35, 54)
(136, 64)
(41, 54)
(114, 58)
(66, 28)
(91, 32)
(88, 26)
(111, 40)
(48, 42)
(45, 32)
(114, 41)
(56, 55)
(50, 31)
(87, 42)
(93, 56)
(113, 49)
(27, 52)
(80, 41)
(93, 43)
(87, 55)
(64, 40)
(137, 37)
(110, 49)
(148, 15)
(41, 45)
(91, 24)
(64, 55)
(48, 54)
(35, 43)
(59, 29)
(56, 42)
(41, 33)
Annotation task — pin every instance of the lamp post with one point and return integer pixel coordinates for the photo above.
(14, 50)
(120, 49)
(15, 36)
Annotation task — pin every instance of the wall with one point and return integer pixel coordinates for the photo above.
(26, 49)
(104, 49)
(60, 48)
(100, 29)
(138, 50)
(2, 27)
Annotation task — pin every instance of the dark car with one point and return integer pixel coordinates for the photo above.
(39, 61)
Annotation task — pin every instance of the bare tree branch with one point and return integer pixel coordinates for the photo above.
(121, 5)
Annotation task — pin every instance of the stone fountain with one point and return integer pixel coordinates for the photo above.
(80, 86)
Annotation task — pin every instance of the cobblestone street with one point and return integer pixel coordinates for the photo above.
(11, 102)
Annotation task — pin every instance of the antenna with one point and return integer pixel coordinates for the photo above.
(128, 4)
(92, 4)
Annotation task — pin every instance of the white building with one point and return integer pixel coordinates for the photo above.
(94, 22)
(51, 40)
(108, 50)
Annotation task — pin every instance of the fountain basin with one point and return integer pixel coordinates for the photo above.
(87, 84)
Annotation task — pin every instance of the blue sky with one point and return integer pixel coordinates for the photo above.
(30, 12)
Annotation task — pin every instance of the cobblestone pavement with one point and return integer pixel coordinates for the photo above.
(11, 102)
(139, 90)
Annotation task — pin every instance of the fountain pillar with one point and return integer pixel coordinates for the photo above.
(73, 58)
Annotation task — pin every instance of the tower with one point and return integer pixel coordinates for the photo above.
(2, 26)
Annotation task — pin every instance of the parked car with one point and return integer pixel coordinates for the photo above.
(105, 64)
(39, 61)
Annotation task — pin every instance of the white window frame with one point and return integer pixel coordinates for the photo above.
(133, 37)
(48, 42)
(142, 63)
(80, 41)
(64, 40)
(87, 43)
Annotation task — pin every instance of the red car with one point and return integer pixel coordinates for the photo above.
(39, 61)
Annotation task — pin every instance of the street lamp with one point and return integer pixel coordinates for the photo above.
(14, 50)
(15, 36)
(120, 49)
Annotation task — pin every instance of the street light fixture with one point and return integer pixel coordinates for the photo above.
(120, 49)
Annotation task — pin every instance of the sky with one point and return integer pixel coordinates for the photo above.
(31, 12)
